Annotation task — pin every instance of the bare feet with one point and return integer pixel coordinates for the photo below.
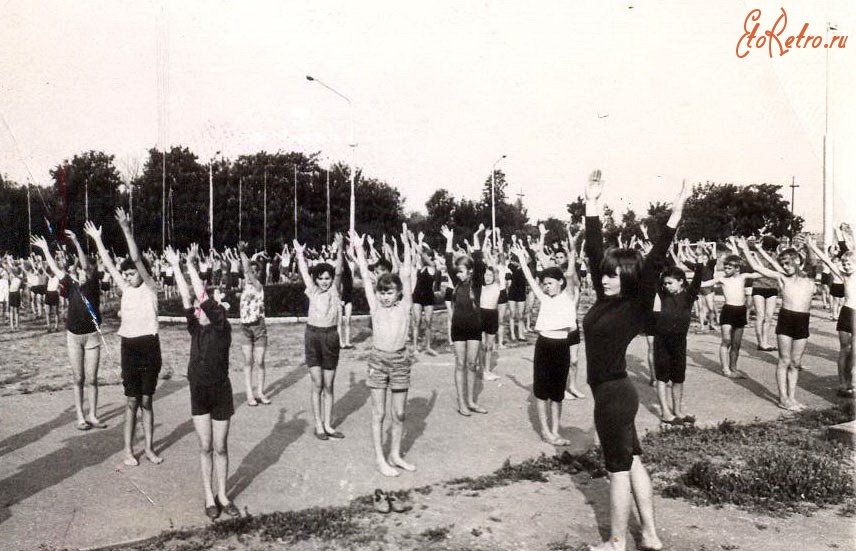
(649, 542)
(477, 408)
(576, 393)
(399, 462)
(263, 399)
(130, 461)
(607, 546)
(733, 374)
(95, 422)
(490, 376)
(386, 470)
(154, 458)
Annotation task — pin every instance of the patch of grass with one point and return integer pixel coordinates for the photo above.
(778, 467)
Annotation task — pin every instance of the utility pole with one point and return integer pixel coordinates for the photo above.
(793, 186)
(264, 199)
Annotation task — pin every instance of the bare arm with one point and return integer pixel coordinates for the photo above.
(172, 258)
(302, 266)
(368, 282)
(42, 244)
(125, 223)
(94, 232)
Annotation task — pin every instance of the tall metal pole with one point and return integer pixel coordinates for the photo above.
(240, 204)
(827, 187)
(493, 201)
(29, 219)
(295, 201)
(163, 200)
(352, 144)
(793, 187)
(131, 204)
(264, 216)
(211, 202)
(86, 199)
(328, 205)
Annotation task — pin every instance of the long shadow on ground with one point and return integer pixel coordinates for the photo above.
(268, 451)
(79, 452)
(418, 410)
(712, 365)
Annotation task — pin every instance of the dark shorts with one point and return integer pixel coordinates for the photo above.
(735, 316)
(574, 337)
(449, 295)
(837, 290)
(255, 334)
(517, 294)
(845, 320)
(670, 358)
(424, 299)
(490, 321)
(206, 276)
(14, 299)
(793, 324)
(52, 298)
(42, 289)
(105, 286)
(466, 328)
(347, 294)
(503, 296)
(765, 292)
(169, 280)
(550, 368)
(825, 278)
(321, 345)
(615, 406)
(214, 400)
(141, 365)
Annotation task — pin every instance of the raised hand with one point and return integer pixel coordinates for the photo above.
(446, 232)
(594, 186)
(298, 248)
(356, 239)
(40, 242)
(193, 253)
(123, 218)
(171, 256)
(542, 229)
(70, 234)
(682, 197)
(92, 230)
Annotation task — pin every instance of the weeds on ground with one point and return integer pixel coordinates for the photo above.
(777, 467)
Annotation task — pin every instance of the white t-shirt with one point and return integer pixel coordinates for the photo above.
(139, 312)
(556, 313)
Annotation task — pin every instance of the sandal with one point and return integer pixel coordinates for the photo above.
(230, 509)
(83, 425)
(264, 401)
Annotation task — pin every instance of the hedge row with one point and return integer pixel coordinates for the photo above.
(281, 300)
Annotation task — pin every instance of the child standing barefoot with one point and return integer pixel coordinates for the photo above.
(389, 301)
(141, 353)
(322, 335)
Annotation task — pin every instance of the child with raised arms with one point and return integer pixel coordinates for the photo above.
(321, 337)
(797, 290)
(140, 345)
(211, 406)
(556, 319)
(390, 300)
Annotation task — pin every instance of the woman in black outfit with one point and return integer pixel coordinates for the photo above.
(625, 286)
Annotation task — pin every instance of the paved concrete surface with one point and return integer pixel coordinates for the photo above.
(60, 487)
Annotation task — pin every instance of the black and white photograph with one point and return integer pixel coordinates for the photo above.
(442, 276)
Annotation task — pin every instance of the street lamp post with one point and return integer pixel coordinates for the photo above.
(493, 201)
(827, 188)
(328, 204)
(353, 143)
(264, 215)
(295, 202)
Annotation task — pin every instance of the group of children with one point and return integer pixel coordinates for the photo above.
(484, 280)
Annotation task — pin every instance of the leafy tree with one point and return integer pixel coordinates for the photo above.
(14, 238)
(510, 217)
(87, 187)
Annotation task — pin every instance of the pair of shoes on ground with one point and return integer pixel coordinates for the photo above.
(326, 435)
(213, 511)
(384, 503)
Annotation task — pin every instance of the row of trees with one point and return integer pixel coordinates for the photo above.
(90, 185)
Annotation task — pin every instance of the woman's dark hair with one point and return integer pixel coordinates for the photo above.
(673, 272)
(627, 263)
(553, 272)
(467, 261)
(322, 268)
(387, 282)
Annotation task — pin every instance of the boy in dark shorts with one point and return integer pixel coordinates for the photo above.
(140, 349)
(797, 290)
(732, 318)
(211, 404)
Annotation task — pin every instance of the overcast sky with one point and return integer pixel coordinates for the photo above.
(648, 91)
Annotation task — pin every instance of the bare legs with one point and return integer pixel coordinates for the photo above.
(134, 403)
(764, 310)
(625, 487)
(729, 350)
(466, 359)
(213, 456)
(845, 362)
(322, 398)
(399, 401)
(788, 369)
(254, 356)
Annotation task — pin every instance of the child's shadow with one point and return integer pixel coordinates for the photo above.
(415, 424)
